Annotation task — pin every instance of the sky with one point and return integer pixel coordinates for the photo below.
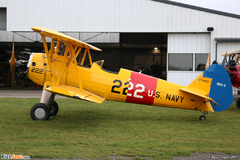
(230, 6)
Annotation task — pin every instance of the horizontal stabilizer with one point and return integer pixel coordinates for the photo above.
(199, 95)
(74, 92)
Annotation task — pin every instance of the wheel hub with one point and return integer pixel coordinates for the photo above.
(39, 113)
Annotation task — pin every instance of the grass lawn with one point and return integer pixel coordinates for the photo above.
(96, 131)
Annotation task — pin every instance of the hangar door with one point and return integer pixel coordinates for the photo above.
(145, 52)
(187, 56)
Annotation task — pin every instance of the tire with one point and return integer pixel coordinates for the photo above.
(238, 103)
(53, 108)
(40, 112)
(202, 117)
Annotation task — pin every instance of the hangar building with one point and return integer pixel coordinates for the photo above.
(172, 38)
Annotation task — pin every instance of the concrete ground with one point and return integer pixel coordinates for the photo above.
(22, 93)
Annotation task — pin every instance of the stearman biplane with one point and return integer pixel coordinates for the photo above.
(61, 71)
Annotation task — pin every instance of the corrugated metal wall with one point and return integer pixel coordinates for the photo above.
(186, 43)
(189, 43)
(183, 77)
(114, 16)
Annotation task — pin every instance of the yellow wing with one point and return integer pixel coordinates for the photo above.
(62, 37)
(74, 92)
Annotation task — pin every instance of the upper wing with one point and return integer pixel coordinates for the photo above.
(62, 37)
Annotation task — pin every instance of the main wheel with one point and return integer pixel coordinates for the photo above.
(53, 108)
(238, 103)
(40, 112)
(202, 117)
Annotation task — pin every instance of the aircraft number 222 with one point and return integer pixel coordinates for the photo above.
(140, 88)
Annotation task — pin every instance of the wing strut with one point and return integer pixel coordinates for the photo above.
(69, 55)
(84, 56)
(48, 59)
(73, 48)
(78, 75)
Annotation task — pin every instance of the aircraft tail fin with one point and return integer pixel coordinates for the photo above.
(215, 83)
(201, 85)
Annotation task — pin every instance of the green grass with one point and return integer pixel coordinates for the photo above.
(96, 131)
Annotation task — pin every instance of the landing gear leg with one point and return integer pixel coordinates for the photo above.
(203, 117)
(46, 108)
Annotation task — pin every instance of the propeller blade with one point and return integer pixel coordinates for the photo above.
(224, 59)
(208, 59)
(12, 64)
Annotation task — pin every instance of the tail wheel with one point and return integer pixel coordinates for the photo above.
(202, 117)
(40, 112)
(238, 103)
(53, 108)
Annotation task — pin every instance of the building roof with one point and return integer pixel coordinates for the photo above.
(199, 8)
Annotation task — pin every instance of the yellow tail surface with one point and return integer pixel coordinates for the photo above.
(201, 85)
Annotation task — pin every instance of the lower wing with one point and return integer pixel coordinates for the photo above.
(74, 92)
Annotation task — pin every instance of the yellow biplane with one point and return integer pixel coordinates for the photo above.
(61, 71)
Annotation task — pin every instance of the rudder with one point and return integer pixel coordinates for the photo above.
(221, 87)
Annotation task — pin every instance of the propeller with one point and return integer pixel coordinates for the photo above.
(12, 64)
(19, 66)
